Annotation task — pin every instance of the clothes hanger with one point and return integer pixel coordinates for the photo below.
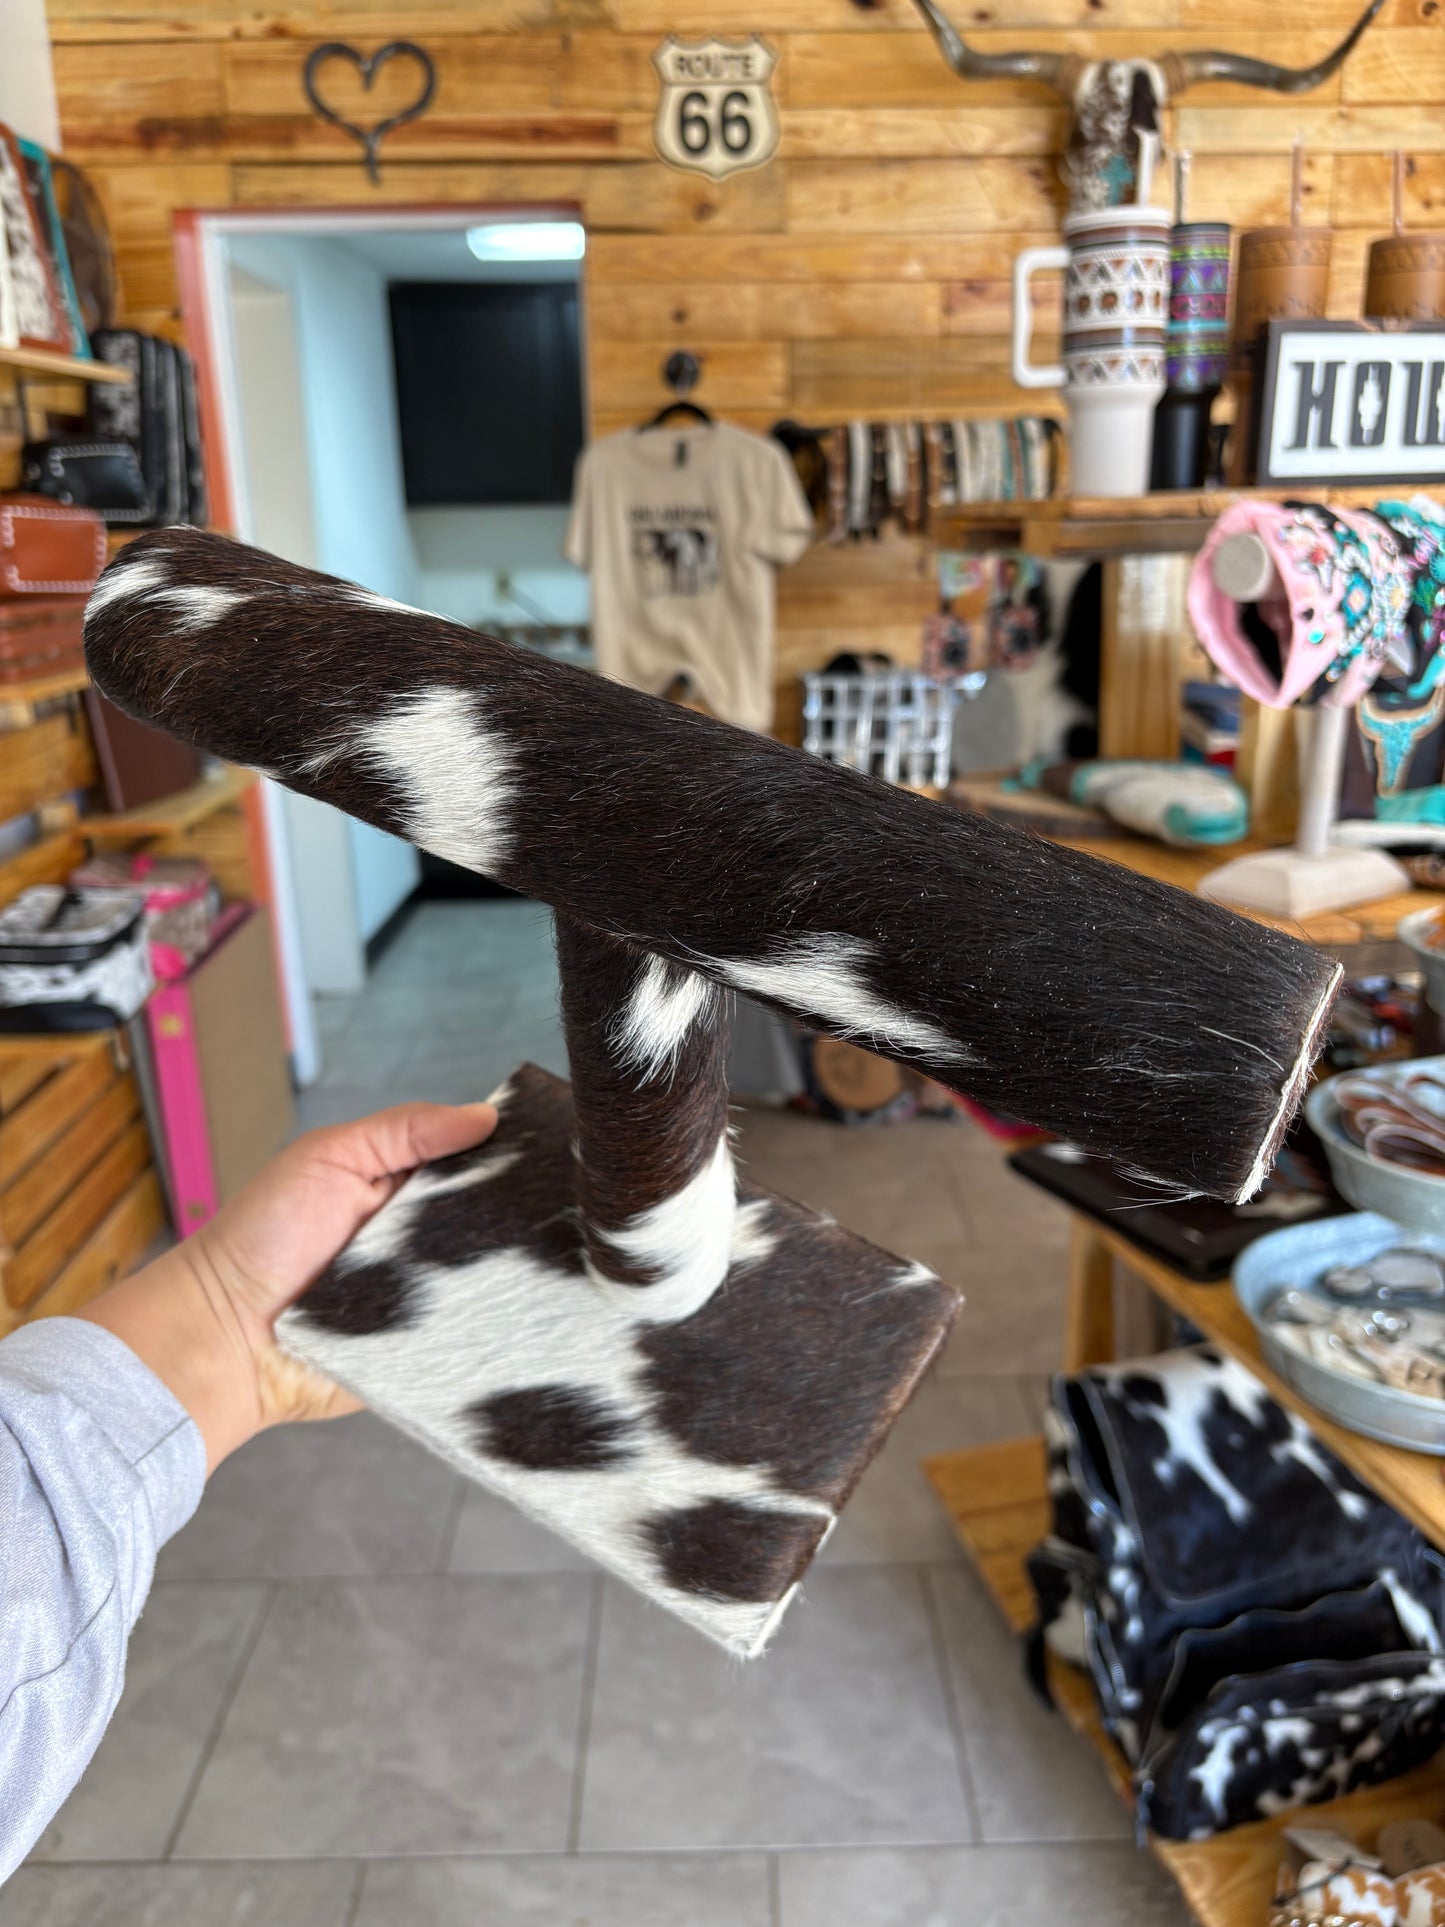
(687, 409)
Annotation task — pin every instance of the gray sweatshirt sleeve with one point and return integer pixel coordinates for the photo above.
(99, 1466)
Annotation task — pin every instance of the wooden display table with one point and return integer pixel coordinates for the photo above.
(1334, 930)
(996, 1499)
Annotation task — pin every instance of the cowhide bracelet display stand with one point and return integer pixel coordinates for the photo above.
(592, 1313)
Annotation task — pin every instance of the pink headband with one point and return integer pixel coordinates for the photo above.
(1345, 595)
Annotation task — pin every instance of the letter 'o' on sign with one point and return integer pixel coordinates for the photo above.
(715, 111)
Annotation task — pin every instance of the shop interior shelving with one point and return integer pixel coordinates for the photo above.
(172, 815)
(1141, 543)
(40, 689)
(1098, 527)
(995, 1495)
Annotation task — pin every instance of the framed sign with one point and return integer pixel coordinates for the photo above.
(716, 114)
(33, 308)
(1352, 401)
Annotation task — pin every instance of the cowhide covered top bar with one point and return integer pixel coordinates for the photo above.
(1145, 1024)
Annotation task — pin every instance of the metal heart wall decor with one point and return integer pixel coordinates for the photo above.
(369, 66)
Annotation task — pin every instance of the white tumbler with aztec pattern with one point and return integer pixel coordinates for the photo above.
(1116, 307)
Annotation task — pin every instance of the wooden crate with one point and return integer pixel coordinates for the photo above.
(79, 1200)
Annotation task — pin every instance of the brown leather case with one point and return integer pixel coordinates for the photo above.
(41, 636)
(138, 764)
(47, 549)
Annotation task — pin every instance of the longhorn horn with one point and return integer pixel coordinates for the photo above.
(1044, 67)
(1187, 69)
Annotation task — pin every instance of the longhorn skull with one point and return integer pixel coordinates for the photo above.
(1117, 103)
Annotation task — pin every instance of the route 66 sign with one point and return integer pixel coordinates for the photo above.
(716, 112)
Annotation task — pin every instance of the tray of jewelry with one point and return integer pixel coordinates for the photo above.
(1383, 1131)
(1351, 1313)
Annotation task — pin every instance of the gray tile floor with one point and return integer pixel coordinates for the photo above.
(364, 1694)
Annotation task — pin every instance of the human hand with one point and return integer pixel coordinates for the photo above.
(203, 1316)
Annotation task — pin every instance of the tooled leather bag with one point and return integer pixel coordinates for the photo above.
(47, 549)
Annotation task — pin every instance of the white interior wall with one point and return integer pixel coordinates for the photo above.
(27, 81)
(332, 424)
(272, 398)
(278, 486)
(461, 552)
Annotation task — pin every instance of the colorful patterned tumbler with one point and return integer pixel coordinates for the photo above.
(1197, 343)
(1197, 352)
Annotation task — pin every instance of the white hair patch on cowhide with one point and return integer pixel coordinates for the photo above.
(821, 974)
(458, 775)
(664, 1005)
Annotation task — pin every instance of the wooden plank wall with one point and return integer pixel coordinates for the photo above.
(863, 272)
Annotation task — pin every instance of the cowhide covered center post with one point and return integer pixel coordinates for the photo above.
(647, 1045)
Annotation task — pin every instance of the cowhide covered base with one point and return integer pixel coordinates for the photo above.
(704, 1461)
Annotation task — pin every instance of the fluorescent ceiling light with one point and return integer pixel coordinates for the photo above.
(528, 241)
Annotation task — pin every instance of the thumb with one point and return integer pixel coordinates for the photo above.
(390, 1143)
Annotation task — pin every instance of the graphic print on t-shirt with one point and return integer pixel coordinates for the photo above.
(675, 549)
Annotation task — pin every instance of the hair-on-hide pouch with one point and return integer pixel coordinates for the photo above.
(1261, 1628)
(593, 1313)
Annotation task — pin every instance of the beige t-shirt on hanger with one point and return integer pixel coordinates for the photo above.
(681, 555)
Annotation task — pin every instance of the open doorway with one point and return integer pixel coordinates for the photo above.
(400, 402)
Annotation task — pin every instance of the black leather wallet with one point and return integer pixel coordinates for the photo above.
(104, 476)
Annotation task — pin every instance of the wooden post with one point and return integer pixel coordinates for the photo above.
(1268, 769)
(1141, 655)
(1089, 1318)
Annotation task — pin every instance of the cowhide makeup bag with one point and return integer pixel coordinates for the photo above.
(1261, 1628)
(1294, 1735)
(72, 960)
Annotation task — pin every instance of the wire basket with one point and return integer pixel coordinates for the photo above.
(897, 725)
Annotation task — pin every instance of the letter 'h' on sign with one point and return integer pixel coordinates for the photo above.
(1348, 402)
(1316, 406)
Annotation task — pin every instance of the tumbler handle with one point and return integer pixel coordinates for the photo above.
(1031, 262)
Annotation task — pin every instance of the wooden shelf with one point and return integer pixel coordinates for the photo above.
(1165, 523)
(996, 1498)
(59, 1045)
(1412, 1482)
(39, 689)
(45, 361)
(171, 815)
(1367, 923)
